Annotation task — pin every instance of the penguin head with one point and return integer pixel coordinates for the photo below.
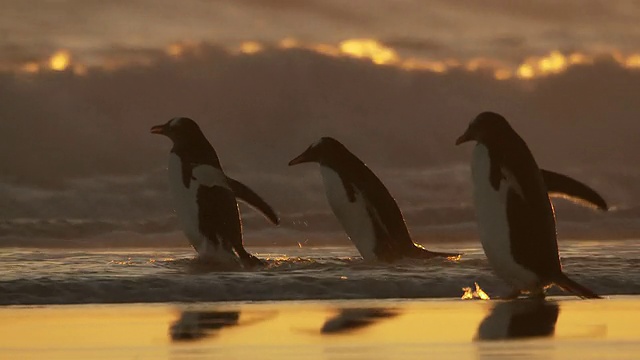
(321, 151)
(488, 127)
(180, 130)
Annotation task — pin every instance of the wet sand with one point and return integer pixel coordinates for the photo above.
(560, 328)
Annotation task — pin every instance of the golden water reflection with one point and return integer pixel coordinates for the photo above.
(519, 319)
(351, 319)
(373, 329)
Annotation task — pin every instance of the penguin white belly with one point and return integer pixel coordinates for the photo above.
(493, 224)
(185, 202)
(353, 216)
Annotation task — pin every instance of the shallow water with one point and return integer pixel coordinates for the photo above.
(43, 276)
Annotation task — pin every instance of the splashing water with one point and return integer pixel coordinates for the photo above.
(478, 293)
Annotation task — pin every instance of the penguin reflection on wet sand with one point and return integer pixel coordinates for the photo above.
(194, 325)
(519, 319)
(348, 320)
(515, 217)
(205, 197)
(363, 205)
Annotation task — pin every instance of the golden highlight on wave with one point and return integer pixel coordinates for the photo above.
(365, 49)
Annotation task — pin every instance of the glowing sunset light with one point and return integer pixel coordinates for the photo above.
(578, 58)
(326, 49)
(503, 74)
(175, 50)
(371, 49)
(60, 60)
(30, 67)
(553, 63)
(288, 43)
(474, 64)
(633, 61)
(525, 71)
(418, 64)
(250, 47)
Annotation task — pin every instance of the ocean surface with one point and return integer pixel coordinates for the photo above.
(143, 275)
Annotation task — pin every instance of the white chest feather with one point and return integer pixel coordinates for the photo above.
(185, 201)
(493, 225)
(353, 216)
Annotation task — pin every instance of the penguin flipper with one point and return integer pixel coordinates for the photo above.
(567, 284)
(559, 185)
(244, 193)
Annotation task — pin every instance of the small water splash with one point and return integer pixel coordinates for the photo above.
(454, 258)
(478, 293)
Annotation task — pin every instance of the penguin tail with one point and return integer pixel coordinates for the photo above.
(569, 285)
(420, 252)
(251, 261)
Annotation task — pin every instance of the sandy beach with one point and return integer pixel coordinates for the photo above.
(559, 328)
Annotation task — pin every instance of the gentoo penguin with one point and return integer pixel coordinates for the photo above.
(519, 319)
(205, 198)
(362, 204)
(516, 220)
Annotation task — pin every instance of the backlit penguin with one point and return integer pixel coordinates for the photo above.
(515, 217)
(205, 198)
(363, 205)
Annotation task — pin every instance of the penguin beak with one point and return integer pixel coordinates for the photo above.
(464, 138)
(298, 160)
(302, 158)
(158, 129)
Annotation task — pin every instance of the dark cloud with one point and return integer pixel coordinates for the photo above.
(330, 10)
(510, 41)
(415, 45)
(549, 11)
(15, 55)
